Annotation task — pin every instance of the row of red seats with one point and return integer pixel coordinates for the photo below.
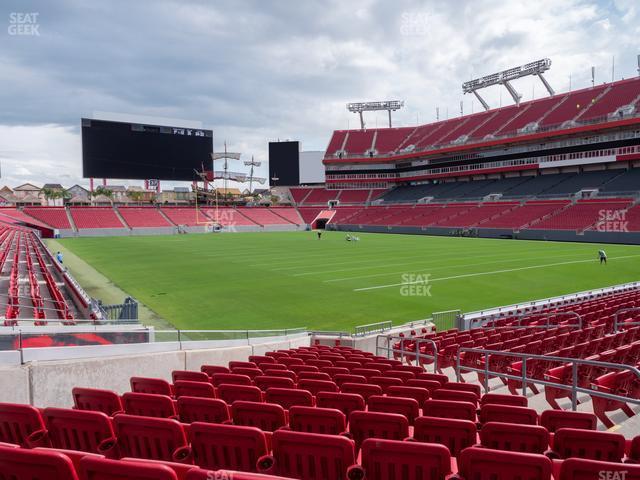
(315, 457)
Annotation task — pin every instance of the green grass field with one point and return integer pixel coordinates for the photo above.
(287, 280)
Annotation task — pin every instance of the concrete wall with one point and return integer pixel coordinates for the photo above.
(49, 383)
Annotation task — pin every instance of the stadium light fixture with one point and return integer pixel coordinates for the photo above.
(506, 76)
(388, 105)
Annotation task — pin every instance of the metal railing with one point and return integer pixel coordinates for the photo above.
(617, 323)
(404, 354)
(524, 357)
(548, 316)
(362, 330)
(128, 310)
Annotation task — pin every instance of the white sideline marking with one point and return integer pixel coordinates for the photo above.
(519, 259)
(486, 273)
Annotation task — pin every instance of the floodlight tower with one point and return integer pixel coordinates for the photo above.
(388, 105)
(506, 76)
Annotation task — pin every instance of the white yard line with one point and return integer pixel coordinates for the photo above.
(421, 270)
(466, 275)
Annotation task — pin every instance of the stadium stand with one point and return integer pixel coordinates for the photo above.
(95, 217)
(53, 216)
(143, 217)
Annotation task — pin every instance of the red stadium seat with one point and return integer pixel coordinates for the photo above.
(104, 469)
(309, 456)
(20, 423)
(514, 437)
(328, 421)
(200, 474)
(303, 368)
(345, 402)
(152, 438)
(281, 373)
(288, 397)
(213, 369)
(315, 386)
(198, 409)
(157, 386)
(455, 395)
(189, 376)
(24, 464)
(485, 464)
(264, 382)
(333, 371)
(465, 387)
(408, 407)
(148, 405)
(230, 393)
(104, 401)
(314, 376)
(507, 414)
(552, 420)
(185, 388)
(503, 399)
(454, 434)
(233, 364)
(401, 374)
(430, 385)
(623, 383)
(593, 445)
(449, 409)
(82, 430)
(386, 382)
(420, 395)
(585, 469)
(342, 378)
(249, 372)
(268, 417)
(219, 378)
(366, 372)
(634, 451)
(227, 446)
(385, 459)
(256, 359)
(391, 426)
(365, 390)
(438, 377)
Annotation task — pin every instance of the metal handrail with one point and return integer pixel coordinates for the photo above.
(481, 322)
(624, 310)
(362, 330)
(417, 354)
(575, 362)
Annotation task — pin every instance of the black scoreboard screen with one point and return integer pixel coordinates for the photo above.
(284, 163)
(138, 152)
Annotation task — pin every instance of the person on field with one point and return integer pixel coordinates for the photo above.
(59, 257)
(319, 234)
(603, 256)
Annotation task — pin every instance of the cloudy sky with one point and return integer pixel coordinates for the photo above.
(255, 71)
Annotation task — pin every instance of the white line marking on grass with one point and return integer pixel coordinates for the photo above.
(466, 275)
(502, 260)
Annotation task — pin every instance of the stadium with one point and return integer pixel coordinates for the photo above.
(453, 298)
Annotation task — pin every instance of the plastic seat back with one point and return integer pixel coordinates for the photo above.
(147, 437)
(342, 378)
(328, 421)
(449, 409)
(199, 409)
(386, 382)
(315, 386)
(508, 414)
(186, 388)
(408, 407)
(104, 401)
(384, 459)
(227, 446)
(25, 464)
(211, 370)
(391, 426)
(454, 434)
(264, 382)
(148, 405)
(219, 378)
(455, 395)
(503, 399)
(189, 375)
(268, 417)
(288, 397)
(514, 437)
(485, 464)
(249, 372)
(157, 386)
(345, 402)
(365, 390)
(103, 469)
(419, 394)
(230, 393)
(593, 445)
(82, 430)
(552, 420)
(309, 455)
(585, 469)
(18, 422)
